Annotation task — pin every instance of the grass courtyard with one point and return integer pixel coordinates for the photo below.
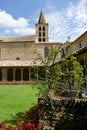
(15, 99)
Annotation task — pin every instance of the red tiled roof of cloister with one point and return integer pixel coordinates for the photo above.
(14, 63)
(17, 38)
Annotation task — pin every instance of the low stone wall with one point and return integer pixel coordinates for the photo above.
(63, 113)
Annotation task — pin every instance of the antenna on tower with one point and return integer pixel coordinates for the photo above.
(68, 38)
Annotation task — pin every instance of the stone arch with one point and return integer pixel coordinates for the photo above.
(25, 74)
(34, 73)
(18, 74)
(10, 74)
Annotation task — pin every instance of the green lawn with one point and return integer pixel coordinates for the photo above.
(15, 99)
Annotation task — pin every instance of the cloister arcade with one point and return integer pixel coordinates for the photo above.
(19, 74)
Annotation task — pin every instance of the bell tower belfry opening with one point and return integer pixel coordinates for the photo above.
(42, 29)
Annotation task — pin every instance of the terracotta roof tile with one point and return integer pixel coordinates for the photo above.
(13, 63)
(17, 38)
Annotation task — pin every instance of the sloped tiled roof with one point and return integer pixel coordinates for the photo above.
(82, 49)
(41, 18)
(20, 63)
(17, 38)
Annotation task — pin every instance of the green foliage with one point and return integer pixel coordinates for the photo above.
(68, 72)
(52, 72)
(72, 72)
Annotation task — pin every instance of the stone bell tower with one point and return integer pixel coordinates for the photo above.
(42, 29)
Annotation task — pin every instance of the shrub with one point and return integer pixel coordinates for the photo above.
(29, 121)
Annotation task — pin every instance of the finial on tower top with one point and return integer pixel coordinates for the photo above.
(41, 18)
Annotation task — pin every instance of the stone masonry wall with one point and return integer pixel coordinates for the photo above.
(23, 50)
(63, 114)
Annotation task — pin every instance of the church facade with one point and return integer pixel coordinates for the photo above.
(18, 54)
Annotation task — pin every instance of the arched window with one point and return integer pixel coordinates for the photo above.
(39, 39)
(39, 28)
(43, 28)
(43, 33)
(43, 39)
(39, 33)
(0, 74)
(26, 74)
(34, 73)
(46, 52)
(10, 74)
(18, 74)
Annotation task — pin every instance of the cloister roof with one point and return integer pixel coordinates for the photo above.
(82, 50)
(19, 63)
(17, 38)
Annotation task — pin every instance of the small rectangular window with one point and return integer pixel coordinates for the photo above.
(17, 58)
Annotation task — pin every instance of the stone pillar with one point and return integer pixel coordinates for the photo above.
(13, 74)
(21, 74)
(4, 74)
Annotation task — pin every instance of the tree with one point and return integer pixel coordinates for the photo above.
(52, 71)
(66, 72)
(73, 76)
(55, 70)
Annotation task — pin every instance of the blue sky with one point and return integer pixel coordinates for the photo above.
(66, 18)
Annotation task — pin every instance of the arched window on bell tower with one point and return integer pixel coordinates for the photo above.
(43, 28)
(39, 28)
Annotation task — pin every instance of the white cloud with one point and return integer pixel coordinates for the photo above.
(7, 31)
(18, 26)
(71, 21)
(70, 10)
(24, 31)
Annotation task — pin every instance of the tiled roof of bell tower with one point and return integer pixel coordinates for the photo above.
(41, 18)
